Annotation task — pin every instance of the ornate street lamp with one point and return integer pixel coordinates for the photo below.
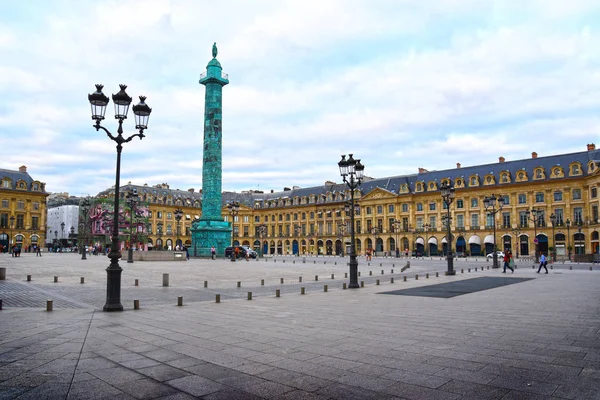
(178, 215)
(85, 208)
(517, 233)
(72, 235)
(553, 221)
(159, 228)
(490, 207)
(581, 248)
(262, 232)
(98, 102)
(297, 230)
(62, 234)
(132, 199)
(533, 215)
(352, 171)
(375, 233)
(426, 226)
(448, 197)
(234, 208)
(341, 232)
(12, 223)
(397, 225)
(568, 223)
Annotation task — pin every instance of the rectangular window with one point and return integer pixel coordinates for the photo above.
(523, 219)
(280, 217)
(169, 215)
(390, 208)
(20, 221)
(20, 205)
(459, 203)
(159, 214)
(36, 206)
(419, 222)
(6, 184)
(593, 192)
(558, 196)
(35, 223)
(539, 197)
(475, 220)
(506, 199)
(474, 203)
(577, 215)
(595, 213)
(287, 217)
(405, 224)
(460, 221)
(576, 194)
(4, 203)
(169, 229)
(369, 225)
(368, 210)
(379, 209)
(489, 221)
(506, 220)
(246, 230)
(433, 222)
(541, 218)
(522, 198)
(431, 206)
(404, 207)
(358, 226)
(559, 217)
(419, 207)
(256, 218)
(3, 220)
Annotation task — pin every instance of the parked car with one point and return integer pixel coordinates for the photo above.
(500, 255)
(251, 252)
(460, 254)
(241, 253)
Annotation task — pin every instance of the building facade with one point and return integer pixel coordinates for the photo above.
(22, 209)
(407, 212)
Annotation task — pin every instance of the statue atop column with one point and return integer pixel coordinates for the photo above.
(215, 50)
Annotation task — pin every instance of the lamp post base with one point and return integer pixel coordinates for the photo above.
(495, 262)
(113, 288)
(353, 272)
(450, 270)
(130, 255)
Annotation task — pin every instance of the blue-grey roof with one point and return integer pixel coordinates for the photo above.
(16, 176)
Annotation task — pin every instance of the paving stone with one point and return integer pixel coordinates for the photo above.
(470, 390)
(145, 389)
(268, 389)
(163, 372)
(196, 385)
(92, 389)
(231, 394)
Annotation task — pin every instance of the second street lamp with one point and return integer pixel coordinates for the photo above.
(132, 198)
(85, 208)
(98, 102)
(178, 215)
(534, 215)
(553, 221)
(448, 197)
(352, 171)
(490, 207)
(234, 208)
(397, 226)
(262, 232)
(568, 223)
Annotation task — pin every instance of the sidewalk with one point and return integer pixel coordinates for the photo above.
(539, 338)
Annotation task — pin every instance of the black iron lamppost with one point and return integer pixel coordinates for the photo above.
(397, 225)
(62, 234)
(72, 236)
(98, 102)
(262, 232)
(12, 224)
(581, 249)
(375, 233)
(568, 223)
(517, 233)
(55, 237)
(341, 232)
(85, 208)
(533, 215)
(297, 230)
(553, 221)
(159, 228)
(426, 226)
(448, 197)
(234, 208)
(490, 207)
(352, 172)
(178, 216)
(132, 198)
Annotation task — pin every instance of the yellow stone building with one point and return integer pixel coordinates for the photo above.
(22, 209)
(406, 212)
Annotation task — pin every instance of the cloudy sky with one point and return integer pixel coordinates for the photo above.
(401, 84)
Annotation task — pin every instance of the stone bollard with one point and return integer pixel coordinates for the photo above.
(284, 261)
(381, 272)
(277, 292)
(300, 279)
(55, 279)
(165, 279)
(48, 305)
(281, 281)
(324, 288)
(28, 278)
(2, 274)
(416, 277)
(437, 274)
(381, 264)
(294, 262)
(180, 300)
(475, 269)
(533, 267)
(358, 273)
(368, 264)
(345, 274)
(392, 271)
(407, 264)
(136, 304)
(405, 278)
(468, 269)
(0, 304)
(552, 267)
(249, 295)
(217, 298)
(324, 262)
(426, 276)
(377, 282)
(332, 276)
(392, 279)
(335, 263)
(370, 273)
(316, 277)
(82, 280)
(136, 282)
(262, 282)
(462, 271)
(488, 267)
(362, 283)
(314, 262)
(570, 267)
(302, 290)
(590, 268)
(344, 286)
(239, 284)
(205, 284)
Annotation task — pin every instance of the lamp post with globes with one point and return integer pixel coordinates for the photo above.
(178, 215)
(234, 208)
(490, 207)
(159, 228)
(62, 234)
(132, 198)
(568, 223)
(352, 172)
(262, 232)
(98, 102)
(448, 197)
(85, 208)
(12, 225)
(533, 215)
(553, 221)
(397, 225)
(517, 233)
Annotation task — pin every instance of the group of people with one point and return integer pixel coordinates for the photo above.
(509, 262)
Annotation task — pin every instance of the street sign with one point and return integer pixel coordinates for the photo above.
(535, 240)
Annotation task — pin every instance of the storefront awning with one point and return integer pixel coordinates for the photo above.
(489, 239)
(432, 240)
(420, 241)
(444, 240)
(474, 240)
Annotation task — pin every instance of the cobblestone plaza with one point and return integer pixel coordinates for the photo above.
(520, 340)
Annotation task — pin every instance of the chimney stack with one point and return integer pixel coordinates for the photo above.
(23, 168)
(422, 170)
(591, 147)
(501, 159)
(534, 155)
(457, 165)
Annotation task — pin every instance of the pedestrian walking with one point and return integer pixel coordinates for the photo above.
(543, 263)
(38, 251)
(507, 257)
(213, 252)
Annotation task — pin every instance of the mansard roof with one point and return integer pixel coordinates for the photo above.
(17, 176)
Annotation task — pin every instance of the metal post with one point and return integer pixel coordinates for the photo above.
(568, 223)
